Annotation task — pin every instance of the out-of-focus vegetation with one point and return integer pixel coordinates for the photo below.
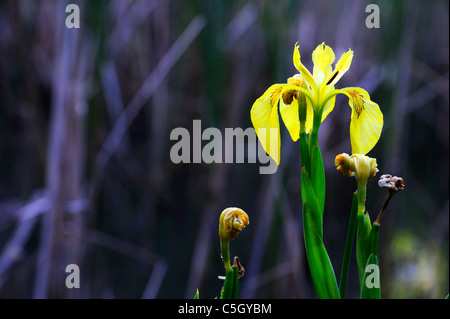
(85, 122)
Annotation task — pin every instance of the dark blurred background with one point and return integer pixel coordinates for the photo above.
(85, 121)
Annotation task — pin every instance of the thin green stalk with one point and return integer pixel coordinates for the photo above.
(227, 290)
(348, 246)
(362, 190)
(362, 230)
(225, 253)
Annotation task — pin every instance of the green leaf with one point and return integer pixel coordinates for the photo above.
(319, 262)
(371, 280)
(235, 293)
(196, 295)
(318, 176)
(348, 246)
(309, 197)
(227, 290)
(230, 289)
(374, 239)
(362, 243)
(371, 250)
(304, 151)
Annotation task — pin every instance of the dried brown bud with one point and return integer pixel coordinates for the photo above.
(393, 183)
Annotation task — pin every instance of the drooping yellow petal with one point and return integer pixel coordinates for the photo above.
(366, 121)
(323, 57)
(264, 116)
(289, 111)
(302, 69)
(341, 67)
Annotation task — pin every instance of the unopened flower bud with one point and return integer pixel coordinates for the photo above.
(231, 222)
(345, 164)
(358, 165)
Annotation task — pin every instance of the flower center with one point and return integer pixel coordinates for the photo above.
(289, 95)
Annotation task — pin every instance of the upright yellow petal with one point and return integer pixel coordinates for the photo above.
(366, 122)
(323, 57)
(341, 67)
(264, 116)
(302, 69)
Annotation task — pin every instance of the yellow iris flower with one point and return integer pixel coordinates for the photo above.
(318, 88)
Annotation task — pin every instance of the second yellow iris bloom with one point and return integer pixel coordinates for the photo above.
(318, 88)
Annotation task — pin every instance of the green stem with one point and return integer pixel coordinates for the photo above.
(348, 246)
(225, 252)
(230, 286)
(314, 136)
(362, 190)
(304, 148)
(313, 196)
(317, 171)
(363, 229)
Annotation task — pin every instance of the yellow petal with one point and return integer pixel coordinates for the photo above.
(302, 69)
(323, 57)
(366, 122)
(264, 116)
(342, 66)
(289, 111)
(328, 108)
(309, 117)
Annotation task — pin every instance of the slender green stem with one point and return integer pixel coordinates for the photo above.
(363, 229)
(386, 202)
(225, 252)
(348, 246)
(362, 190)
